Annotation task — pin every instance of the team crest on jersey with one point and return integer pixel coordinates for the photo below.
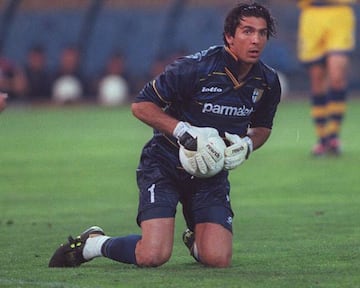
(257, 94)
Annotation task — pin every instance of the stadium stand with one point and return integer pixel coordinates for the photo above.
(138, 28)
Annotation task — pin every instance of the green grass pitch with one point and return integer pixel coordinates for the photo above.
(297, 220)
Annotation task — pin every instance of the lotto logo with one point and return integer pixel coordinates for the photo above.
(211, 89)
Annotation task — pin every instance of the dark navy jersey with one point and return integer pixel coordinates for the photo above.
(203, 89)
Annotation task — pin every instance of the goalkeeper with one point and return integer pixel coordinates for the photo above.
(225, 87)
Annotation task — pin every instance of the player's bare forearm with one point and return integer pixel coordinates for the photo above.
(259, 136)
(154, 116)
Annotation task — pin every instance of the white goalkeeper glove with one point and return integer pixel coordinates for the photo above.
(194, 142)
(238, 151)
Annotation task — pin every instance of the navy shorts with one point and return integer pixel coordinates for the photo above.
(162, 185)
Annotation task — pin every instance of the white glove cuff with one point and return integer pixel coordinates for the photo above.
(180, 129)
(249, 142)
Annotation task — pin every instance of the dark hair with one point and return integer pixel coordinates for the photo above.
(242, 10)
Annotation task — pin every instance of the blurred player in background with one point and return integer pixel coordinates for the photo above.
(38, 77)
(325, 39)
(113, 87)
(3, 97)
(12, 79)
(225, 87)
(69, 83)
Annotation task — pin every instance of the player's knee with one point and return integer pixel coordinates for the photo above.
(218, 262)
(216, 258)
(153, 258)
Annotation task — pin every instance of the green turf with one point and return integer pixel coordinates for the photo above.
(62, 170)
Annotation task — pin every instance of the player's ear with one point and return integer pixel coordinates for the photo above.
(229, 39)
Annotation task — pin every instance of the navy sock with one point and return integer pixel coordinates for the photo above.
(121, 249)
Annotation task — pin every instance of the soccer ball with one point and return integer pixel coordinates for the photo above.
(186, 156)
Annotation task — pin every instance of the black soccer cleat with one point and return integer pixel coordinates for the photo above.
(188, 238)
(71, 254)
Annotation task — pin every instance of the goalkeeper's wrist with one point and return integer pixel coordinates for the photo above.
(250, 144)
(180, 129)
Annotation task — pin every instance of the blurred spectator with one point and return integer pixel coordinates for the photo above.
(162, 61)
(69, 84)
(38, 78)
(6, 74)
(3, 97)
(157, 66)
(113, 84)
(12, 79)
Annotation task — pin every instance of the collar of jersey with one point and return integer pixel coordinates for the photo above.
(232, 69)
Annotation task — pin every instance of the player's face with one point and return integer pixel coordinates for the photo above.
(249, 40)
